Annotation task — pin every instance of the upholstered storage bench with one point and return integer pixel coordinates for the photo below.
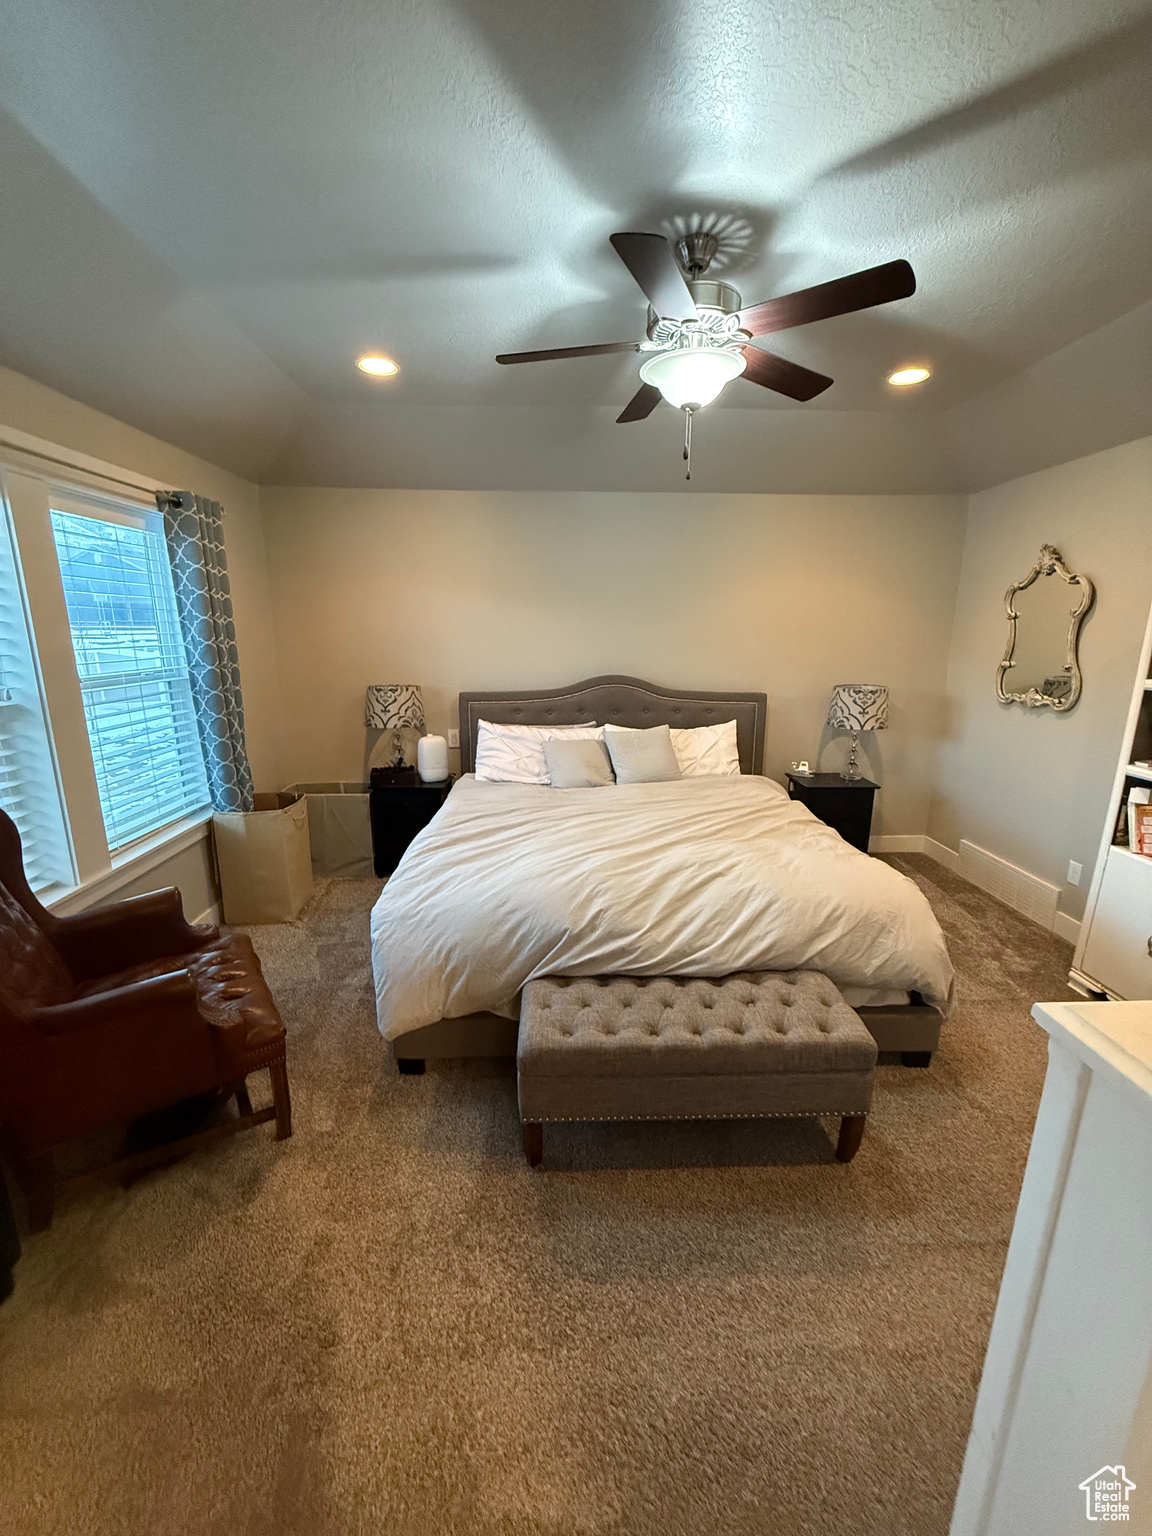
(757, 1044)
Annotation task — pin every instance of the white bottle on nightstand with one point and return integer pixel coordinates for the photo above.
(432, 759)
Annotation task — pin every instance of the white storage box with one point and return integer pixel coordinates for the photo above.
(264, 859)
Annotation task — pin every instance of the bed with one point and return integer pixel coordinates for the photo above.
(704, 877)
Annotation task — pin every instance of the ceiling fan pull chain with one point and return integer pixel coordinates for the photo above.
(688, 440)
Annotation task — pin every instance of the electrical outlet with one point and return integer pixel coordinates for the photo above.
(453, 738)
(1074, 872)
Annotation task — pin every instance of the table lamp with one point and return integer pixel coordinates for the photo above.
(392, 706)
(857, 707)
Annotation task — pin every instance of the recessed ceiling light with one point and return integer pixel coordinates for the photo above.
(378, 367)
(905, 376)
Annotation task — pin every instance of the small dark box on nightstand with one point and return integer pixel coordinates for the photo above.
(404, 774)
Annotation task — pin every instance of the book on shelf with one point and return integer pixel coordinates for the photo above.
(1142, 842)
(1138, 795)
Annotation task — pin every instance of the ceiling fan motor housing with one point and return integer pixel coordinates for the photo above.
(716, 325)
(713, 295)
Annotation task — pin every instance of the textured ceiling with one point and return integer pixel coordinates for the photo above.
(210, 210)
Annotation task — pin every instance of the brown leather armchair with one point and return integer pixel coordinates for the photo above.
(116, 1012)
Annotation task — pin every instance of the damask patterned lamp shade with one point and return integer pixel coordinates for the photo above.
(857, 707)
(392, 706)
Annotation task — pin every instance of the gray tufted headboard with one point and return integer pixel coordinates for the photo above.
(618, 701)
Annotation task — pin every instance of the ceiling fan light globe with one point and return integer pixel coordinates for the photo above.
(693, 375)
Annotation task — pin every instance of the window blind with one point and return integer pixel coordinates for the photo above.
(133, 670)
(29, 788)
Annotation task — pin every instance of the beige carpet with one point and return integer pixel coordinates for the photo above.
(389, 1325)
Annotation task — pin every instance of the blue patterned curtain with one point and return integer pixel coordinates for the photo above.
(194, 529)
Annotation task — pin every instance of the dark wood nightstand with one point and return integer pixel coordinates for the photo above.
(397, 812)
(844, 804)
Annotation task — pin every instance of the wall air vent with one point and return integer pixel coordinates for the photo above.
(1013, 886)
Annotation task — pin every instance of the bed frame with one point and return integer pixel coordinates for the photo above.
(912, 1030)
(619, 701)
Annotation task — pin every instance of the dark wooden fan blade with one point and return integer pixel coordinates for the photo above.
(784, 377)
(543, 357)
(642, 404)
(650, 260)
(878, 285)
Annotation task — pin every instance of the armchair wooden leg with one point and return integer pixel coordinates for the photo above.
(243, 1102)
(282, 1099)
(851, 1135)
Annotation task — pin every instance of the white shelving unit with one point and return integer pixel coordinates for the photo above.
(1114, 956)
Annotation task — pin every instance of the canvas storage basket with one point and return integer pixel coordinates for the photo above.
(338, 827)
(264, 859)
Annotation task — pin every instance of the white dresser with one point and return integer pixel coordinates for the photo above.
(1114, 955)
(1063, 1421)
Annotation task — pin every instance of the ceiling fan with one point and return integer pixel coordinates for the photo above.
(698, 334)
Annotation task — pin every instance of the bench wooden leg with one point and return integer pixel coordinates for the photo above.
(533, 1142)
(282, 1099)
(851, 1135)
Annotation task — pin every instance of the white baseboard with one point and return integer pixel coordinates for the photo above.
(942, 854)
(1065, 927)
(1009, 882)
(897, 842)
(915, 842)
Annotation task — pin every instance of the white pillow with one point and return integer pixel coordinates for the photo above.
(707, 750)
(514, 754)
(703, 751)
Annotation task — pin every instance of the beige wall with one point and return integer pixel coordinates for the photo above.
(1033, 786)
(190, 870)
(458, 590)
(32, 407)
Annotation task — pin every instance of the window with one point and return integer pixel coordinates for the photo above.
(132, 666)
(99, 745)
(29, 788)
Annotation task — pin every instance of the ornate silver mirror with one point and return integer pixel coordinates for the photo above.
(1045, 611)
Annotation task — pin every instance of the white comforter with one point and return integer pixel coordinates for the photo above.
(696, 878)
